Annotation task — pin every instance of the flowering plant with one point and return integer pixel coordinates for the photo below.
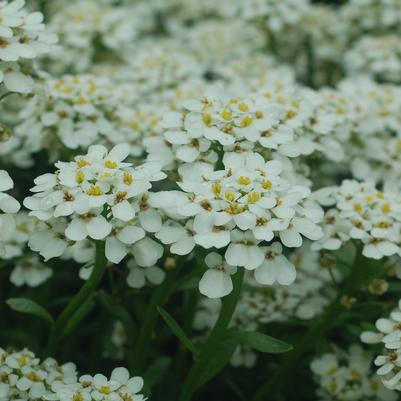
(200, 200)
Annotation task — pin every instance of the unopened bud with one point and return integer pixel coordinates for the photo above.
(328, 260)
(170, 263)
(5, 133)
(347, 301)
(378, 286)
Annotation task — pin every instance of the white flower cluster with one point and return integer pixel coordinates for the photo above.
(22, 39)
(238, 207)
(370, 126)
(159, 66)
(379, 57)
(97, 196)
(347, 376)
(75, 112)
(289, 122)
(372, 15)
(277, 14)
(120, 387)
(361, 212)
(213, 43)
(389, 336)
(23, 377)
(81, 24)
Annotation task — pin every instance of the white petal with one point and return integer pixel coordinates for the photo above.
(123, 211)
(136, 277)
(150, 220)
(147, 252)
(76, 231)
(115, 250)
(98, 228)
(215, 284)
(130, 234)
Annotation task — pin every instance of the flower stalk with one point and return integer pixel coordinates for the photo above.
(229, 304)
(84, 293)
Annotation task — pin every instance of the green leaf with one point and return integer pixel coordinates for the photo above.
(259, 341)
(218, 361)
(156, 371)
(176, 329)
(24, 305)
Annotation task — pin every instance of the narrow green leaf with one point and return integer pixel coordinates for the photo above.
(219, 360)
(24, 305)
(259, 341)
(176, 329)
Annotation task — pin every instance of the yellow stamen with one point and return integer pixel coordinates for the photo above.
(233, 208)
(243, 180)
(246, 122)
(110, 164)
(105, 390)
(80, 177)
(94, 190)
(81, 100)
(120, 196)
(243, 107)
(128, 179)
(216, 188)
(230, 196)
(207, 119)
(226, 114)
(266, 184)
(82, 163)
(253, 197)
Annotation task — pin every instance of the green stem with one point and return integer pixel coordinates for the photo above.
(290, 362)
(316, 331)
(310, 78)
(84, 293)
(159, 297)
(6, 95)
(218, 332)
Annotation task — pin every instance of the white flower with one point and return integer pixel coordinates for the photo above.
(216, 282)
(276, 267)
(181, 238)
(7, 203)
(50, 241)
(30, 272)
(244, 250)
(138, 276)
